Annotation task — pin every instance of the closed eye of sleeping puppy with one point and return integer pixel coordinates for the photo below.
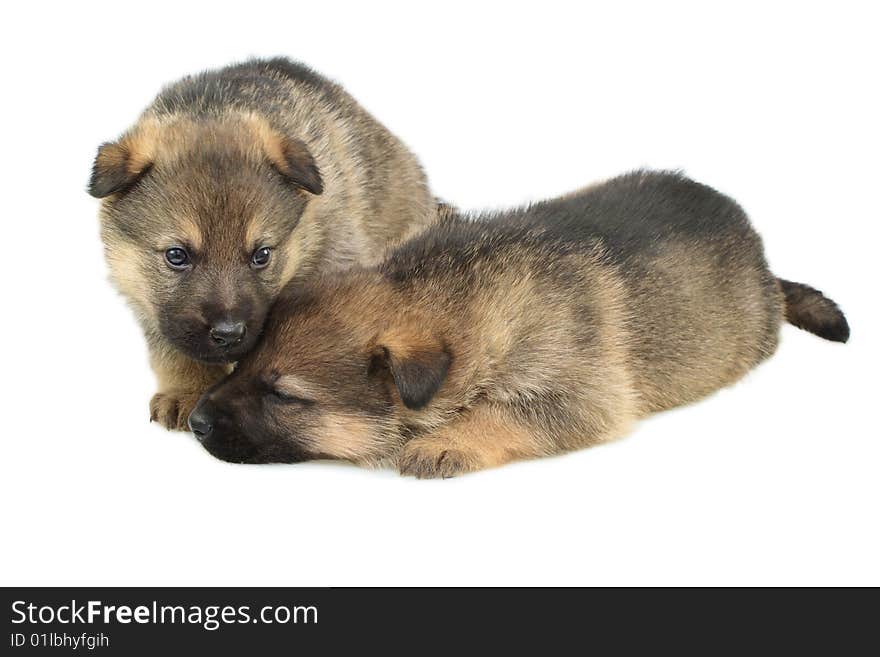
(521, 334)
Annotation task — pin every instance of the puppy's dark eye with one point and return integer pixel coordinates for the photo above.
(261, 257)
(177, 257)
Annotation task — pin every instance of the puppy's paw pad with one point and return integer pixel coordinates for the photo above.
(427, 461)
(171, 409)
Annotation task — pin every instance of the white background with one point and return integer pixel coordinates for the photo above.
(774, 481)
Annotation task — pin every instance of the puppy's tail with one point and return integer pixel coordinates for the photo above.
(812, 311)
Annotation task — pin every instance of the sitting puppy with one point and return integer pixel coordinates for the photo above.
(232, 183)
(527, 333)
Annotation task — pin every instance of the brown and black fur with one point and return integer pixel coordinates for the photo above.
(221, 164)
(523, 334)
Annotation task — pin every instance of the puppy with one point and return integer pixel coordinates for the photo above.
(232, 183)
(524, 334)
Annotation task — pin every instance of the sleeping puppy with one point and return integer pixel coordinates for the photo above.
(527, 333)
(232, 183)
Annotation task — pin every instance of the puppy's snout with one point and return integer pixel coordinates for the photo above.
(201, 420)
(227, 333)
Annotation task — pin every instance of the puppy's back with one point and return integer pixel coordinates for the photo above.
(676, 263)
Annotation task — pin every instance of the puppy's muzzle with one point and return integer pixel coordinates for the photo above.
(201, 420)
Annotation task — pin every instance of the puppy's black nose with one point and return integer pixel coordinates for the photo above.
(227, 333)
(200, 422)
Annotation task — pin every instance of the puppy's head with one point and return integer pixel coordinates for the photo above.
(199, 222)
(339, 370)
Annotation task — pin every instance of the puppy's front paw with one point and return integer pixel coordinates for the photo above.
(171, 408)
(428, 459)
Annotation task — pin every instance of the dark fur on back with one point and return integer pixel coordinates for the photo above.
(254, 84)
(633, 215)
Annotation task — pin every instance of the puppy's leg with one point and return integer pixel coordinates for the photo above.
(181, 382)
(482, 437)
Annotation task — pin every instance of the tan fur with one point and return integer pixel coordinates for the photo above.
(479, 438)
(128, 275)
(297, 387)
(348, 438)
(188, 232)
(181, 382)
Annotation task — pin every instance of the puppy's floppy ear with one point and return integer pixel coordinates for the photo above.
(418, 364)
(117, 167)
(292, 159)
